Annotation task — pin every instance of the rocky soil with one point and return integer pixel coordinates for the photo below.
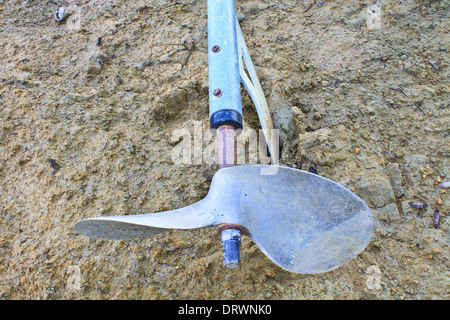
(88, 110)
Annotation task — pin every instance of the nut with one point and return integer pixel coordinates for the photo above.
(217, 92)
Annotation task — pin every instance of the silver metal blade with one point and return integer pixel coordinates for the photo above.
(197, 215)
(303, 222)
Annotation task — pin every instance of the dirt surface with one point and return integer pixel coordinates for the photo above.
(88, 109)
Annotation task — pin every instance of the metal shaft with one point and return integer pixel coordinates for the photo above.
(225, 106)
(226, 146)
(230, 234)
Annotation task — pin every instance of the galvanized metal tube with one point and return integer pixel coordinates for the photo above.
(225, 105)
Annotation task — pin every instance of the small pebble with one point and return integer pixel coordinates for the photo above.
(61, 14)
(436, 218)
(357, 150)
(129, 147)
(434, 64)
(269, 273)
(418, 205)
(444, 185)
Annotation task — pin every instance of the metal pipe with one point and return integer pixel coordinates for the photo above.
(225, 105)
(230, 234)
(226, 146)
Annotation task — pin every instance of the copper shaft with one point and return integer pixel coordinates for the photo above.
(226, 146)
(230, 233)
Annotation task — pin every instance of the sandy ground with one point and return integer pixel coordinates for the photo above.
(88, 110)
